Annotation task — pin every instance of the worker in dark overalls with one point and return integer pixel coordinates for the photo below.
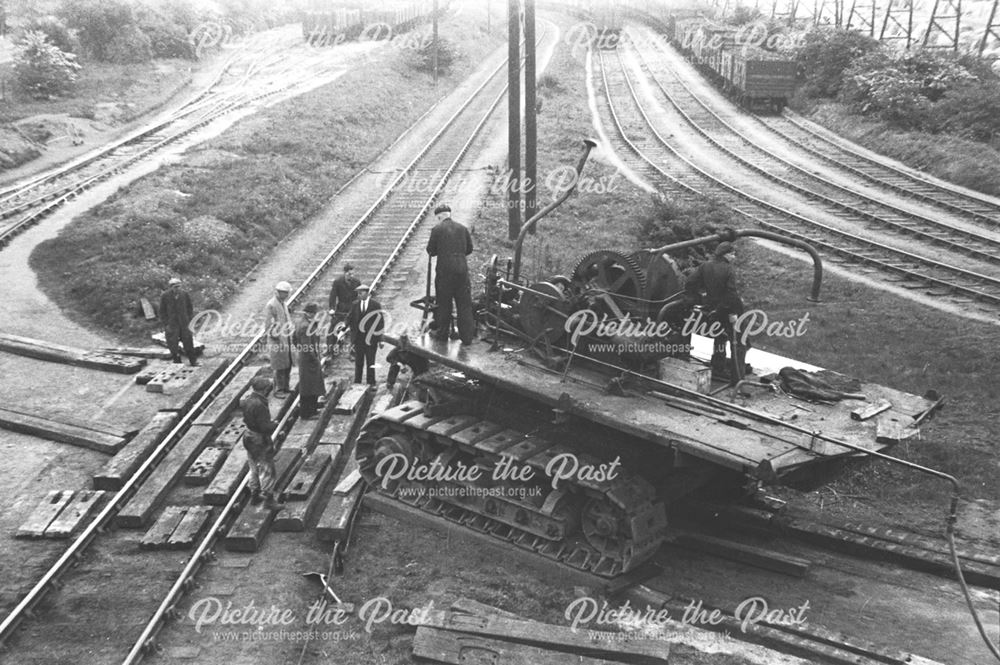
(716, 279)
(451, 242)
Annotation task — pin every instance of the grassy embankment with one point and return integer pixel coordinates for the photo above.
(212, 217)
(857, 330)
(130, 89)
(972, 164)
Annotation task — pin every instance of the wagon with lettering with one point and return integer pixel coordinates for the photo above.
(586, 409)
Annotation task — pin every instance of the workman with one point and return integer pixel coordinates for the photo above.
(278, 327)
(451, 242)
(402, 355)
(259, 444)
(309, 349)
(175, 313)
(366, 322)
(342, 296)
(717, 280)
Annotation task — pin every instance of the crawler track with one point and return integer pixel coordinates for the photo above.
(651, 154)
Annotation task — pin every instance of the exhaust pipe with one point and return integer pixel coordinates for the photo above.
(588, 145)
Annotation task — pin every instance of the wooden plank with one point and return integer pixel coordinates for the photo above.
(351, 399)
(748, 554)
(584, 642)
(348, 480)
(299, 434)
(148, 312)
(76, 511)
(187, 393)
(297, 514)
(312, 468)
(337, 431)
(866, 412)
(336, 518)
(147, 374)
(251, 527)
(228, 400)
(161, 339)
(382, 400)
(470, 606)
(171, 379)
(138, 511)
(149, 352)
(190, 527)
(67, 355)
(228, 478)
(158, 534)
(58, 431)
(121, 467)
(460, 649)
(232, 433)
(43, 514)
(204, 467)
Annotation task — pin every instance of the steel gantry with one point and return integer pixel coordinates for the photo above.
(991, 30)
(943, 29)
(897, 24)
(862, 16)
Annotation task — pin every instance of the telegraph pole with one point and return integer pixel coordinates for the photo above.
(513, 119)
(530, 124)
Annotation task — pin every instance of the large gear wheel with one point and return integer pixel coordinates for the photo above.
(616, 274)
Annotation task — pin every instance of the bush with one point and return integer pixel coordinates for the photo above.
(43, 70)
(56, 32)
(167, 38)
(98, 23)
(826, 55)
(675, 221)
(423, 55)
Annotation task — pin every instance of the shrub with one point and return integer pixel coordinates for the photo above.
(676, 221)
(42, 70)
(423, 55)
(98, 24)
(825, 56)
(56, 32)
(131, 45)
(167, 38)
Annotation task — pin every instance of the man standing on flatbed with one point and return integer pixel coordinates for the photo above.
(451, 242)
(717, 280)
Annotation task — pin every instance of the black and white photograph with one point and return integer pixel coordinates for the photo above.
(500, 332)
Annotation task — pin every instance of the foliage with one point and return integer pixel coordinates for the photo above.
(744, 14)
(55, 31)
(167, 37)
(675, 221)
(43, 70)
(423, 54)
(103, 26)
(826, 54)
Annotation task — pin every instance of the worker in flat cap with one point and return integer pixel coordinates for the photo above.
(278, 328)
(366, 323)
(342, 296)
(450, 243)
(259, 442)
(713, 283)
(176, 312)
(309, 345)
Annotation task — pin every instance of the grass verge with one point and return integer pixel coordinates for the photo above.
(211, 218)
(972, 164)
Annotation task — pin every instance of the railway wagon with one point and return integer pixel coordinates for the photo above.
(325, 22)
(760, 80)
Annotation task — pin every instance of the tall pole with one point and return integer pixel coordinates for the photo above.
(513, 120)
(530, 124)
(435, 20)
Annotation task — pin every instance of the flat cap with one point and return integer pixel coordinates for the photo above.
(362, 287)
(348, 266)
(310, 308)
(261, 384)
(283, 286)
(444, 207)
(724, 248)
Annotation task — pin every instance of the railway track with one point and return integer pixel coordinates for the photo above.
(27, 203)
(650, 153)
(958, 236)
(373, 244)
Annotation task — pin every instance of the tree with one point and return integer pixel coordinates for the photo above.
(103, 26)
(43, 70)
(825, 56)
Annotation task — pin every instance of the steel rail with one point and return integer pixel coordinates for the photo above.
(96, 526)
(145, 641)
(993, 298)
(992, 254)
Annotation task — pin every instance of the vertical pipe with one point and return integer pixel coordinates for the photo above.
(513, 119)
(530, 119)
